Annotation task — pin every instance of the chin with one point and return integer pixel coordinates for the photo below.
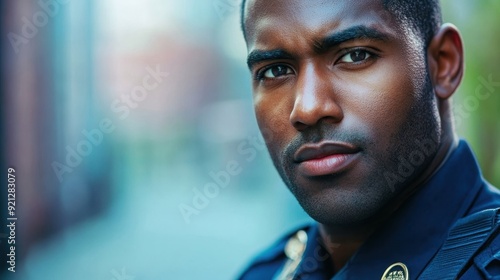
(343, 206)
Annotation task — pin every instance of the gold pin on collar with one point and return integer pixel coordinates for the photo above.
(397, 271)
(294, 250)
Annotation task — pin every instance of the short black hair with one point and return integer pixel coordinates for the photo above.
(423, 16)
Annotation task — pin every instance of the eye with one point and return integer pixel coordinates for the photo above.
(276, 72)
(355, 56)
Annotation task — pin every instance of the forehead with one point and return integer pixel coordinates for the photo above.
(268, 21)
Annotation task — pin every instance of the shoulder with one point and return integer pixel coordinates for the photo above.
(486, 262)
(482, 229)
(488, 197)
(268, 262)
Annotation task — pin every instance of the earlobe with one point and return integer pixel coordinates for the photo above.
(446, 61)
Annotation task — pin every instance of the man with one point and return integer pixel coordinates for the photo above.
(353, 100)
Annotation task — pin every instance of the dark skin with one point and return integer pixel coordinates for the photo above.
(342, 92)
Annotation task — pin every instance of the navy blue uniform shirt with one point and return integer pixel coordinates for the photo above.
(413, 236)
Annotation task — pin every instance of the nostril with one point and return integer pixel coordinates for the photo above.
(300, 126)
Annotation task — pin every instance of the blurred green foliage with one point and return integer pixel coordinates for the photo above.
(478, 118)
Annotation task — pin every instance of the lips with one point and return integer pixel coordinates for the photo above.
(326, 158)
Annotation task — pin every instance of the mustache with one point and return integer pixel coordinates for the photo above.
(324, 134)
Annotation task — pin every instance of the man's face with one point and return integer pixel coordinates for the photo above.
(341, 96)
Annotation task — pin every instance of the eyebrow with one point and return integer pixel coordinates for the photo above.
(329, 42)
(258, 56)
(353, 33)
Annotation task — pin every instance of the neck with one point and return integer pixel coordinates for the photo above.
(342, 244)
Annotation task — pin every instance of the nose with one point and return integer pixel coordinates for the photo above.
(314, 100)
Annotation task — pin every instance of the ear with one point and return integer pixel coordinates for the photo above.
(446, 61)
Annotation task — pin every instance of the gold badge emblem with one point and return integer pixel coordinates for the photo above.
(294, 249)
(397, 271)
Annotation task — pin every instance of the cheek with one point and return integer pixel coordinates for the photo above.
(380, 100)
(273, 120)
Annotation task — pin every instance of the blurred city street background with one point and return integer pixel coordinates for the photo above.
(119, 115)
